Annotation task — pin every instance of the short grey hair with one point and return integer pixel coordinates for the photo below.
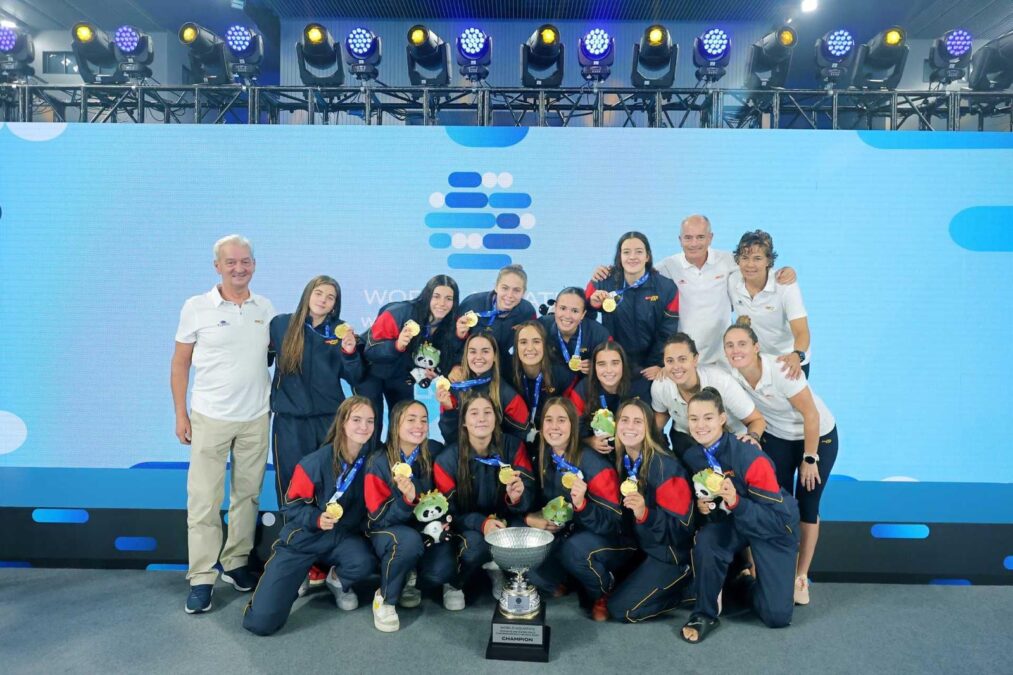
(696, 216)
(232, 239)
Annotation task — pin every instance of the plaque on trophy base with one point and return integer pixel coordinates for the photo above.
(519, 639)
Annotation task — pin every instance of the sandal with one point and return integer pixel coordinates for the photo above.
(701, 624)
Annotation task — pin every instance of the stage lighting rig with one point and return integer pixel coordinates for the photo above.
(363, 52)
(770, 58)
(949, 57)
(992, 65)
(207, 54)
(542, 58)
(879, 63)
(94, 51)
(17, 51)
(711, 53)
(134, 52)
(319, 57)
(834, 54)
(244, 52)
(596, 52)
(654, 59)
(474, 54)
(428, 58)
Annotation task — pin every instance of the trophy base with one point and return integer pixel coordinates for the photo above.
(519, 639)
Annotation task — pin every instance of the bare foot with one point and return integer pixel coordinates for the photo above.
(691, 634)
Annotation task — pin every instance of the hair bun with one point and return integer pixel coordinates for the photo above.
(743, 321)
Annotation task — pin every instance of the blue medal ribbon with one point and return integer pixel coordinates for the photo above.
(410, 459)
(563, 466)
(617, 294)
(537, 395)
(632, 469)
(494, 460)
(491, 314)
(604, 403)
(328, 334)
(562, 344)
(709, 453)
(347, 476)
(469, 384)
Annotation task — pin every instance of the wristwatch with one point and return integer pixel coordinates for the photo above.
(811, 459)
(801, 355)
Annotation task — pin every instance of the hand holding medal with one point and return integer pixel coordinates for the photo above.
(608, 305)
(331, 515)
(471, 319)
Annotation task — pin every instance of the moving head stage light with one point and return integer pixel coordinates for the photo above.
(992, 65)
(94, 51)
(542, 58)
(244, 52)
(834, 54)
(654, 59)
(363, 52)
(17, 51)
(207, 54)
(474, 54)
(134, 52)
(428, 58)
(770, 58)
(949, 57)
(596, 52)
(319, 56)
(880, 61)
(711, 54)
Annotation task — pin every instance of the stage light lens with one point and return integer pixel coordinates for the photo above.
(189, 33)
(786, 37)
(958, 43)
(417, 35)
(655, 35)
(238, 38)
(360, 42)
(839, 43)
(596, 42)
(8, 39)
(314, 34)
(714, 43)
(548, 36)
(894, 37)
(83, 33)
(127, 38)
(473, 42)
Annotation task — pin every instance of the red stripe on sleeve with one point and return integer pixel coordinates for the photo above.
(522, 460)
(377, 492)
(674, 495)
(761, 475)
(673, 307)
(578, 402)
(385, 328)
(517, 410)
(605, 485)
(589, 291)
(301, 486)
(444, 481)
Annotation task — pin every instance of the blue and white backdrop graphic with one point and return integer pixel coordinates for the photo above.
(903, 243)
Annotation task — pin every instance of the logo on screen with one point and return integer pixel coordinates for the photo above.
(478, 219)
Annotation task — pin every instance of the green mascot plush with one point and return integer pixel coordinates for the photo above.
(558, 511)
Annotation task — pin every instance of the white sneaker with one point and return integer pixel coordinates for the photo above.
(496, 577)
(801, 590)
(346, 600)
(384, 615)
(411, 596)
(453, 598)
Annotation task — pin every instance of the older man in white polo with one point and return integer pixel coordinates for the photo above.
(223, 334)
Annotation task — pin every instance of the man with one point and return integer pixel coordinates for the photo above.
(223, 334)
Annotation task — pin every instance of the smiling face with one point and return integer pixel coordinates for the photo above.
(480, 419)
(570, 311)
(633, 257)
(442, 302)
(631, 426)
(414, 426)
(696, 238)
(608, 368)
(509, 291)
(480, 356)
(236, 265)
(706, 424)
(530, 347)
(754, 264)
(680, 363)
(740, 350)
(556, 427)
(322, 300)
(358, 427)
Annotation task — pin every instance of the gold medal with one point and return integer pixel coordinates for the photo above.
(335, 510)
(506, 474)
(341, 330)
(471, 318)
(402, 469)
(413, 327)
(442, 384)
(574, 363)
(628, 487)
(609, 304)
(568, 479)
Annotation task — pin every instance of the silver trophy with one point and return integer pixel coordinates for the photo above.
(518, 549)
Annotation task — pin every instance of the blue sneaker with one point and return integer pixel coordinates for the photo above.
(199, 599)
(241, 579)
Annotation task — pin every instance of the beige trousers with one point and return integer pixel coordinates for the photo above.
(212, 442)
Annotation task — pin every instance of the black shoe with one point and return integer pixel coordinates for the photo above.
(241, 579)
(199, 600)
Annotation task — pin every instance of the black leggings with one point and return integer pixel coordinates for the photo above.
(787, 456)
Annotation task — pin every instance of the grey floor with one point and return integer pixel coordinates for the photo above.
(113, 621)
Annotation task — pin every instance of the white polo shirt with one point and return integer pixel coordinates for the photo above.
(769, 312)
(666, 398)
(771, 396)
(231, 381)
(704, 311)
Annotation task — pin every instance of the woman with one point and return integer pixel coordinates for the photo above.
(392, 492)
(501, 309)
(775, 311)
(685, 377)
(408, 333)
(534, 375)
(325, 517)
(748, 509)
(657, 514)
(572, 336)
(311, 361)
(588, 483)
(487, 478)
(640, 307)
(801, 435)
(606, 385)
(480, 373)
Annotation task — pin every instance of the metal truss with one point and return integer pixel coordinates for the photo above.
(374, 104)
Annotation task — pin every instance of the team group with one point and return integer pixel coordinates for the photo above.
(555, 422)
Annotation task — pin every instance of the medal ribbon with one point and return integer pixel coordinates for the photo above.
(711, 459)
(410, 459)
(468, 384)
(491, 314)
(328, 334)
(564, 466)
(636, 284)
(632, 469)
(347, 476)
(604, 403)
(562, 343)
(491, 461)
(537, 395)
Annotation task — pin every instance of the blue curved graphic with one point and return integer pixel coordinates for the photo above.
(984, 229)
(460, 220)
(464, 179)
(950, 582)
(478, 261)
(167, 567)
(136, 544)
(466, 200)
(15, 563)
(891, 140)
(899, 531)
(508, 221)
(487, 137)
(1008, 562)
(514, 241)
(76, 516)
(841, 478)
(510, 200)
(440, 240)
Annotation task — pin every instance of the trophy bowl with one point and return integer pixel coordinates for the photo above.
(518, 549)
